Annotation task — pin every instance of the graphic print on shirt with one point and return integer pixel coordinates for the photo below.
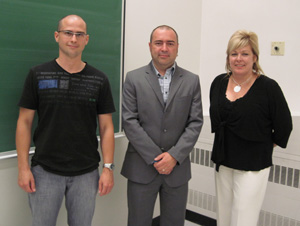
(63, 88)
(47, 84)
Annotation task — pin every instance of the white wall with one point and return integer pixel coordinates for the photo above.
(277, 20)
(111, 210)
(204, 27)
(143, 16)
(272, 20)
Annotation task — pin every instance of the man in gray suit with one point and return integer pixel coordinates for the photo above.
(162, 119)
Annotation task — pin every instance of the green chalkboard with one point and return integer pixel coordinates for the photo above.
(27, 39)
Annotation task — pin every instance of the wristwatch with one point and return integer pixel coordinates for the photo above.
(110, 166)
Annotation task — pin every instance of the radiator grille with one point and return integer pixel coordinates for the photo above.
(278, 174)
(202, 200)
(208, 202)
(270, 219)
(285, 176)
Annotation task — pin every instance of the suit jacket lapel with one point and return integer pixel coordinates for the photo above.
(153, 81)
(175, 84)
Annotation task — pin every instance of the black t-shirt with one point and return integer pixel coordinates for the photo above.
(246, 129)
(67, 106)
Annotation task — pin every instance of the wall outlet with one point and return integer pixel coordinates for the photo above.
(277, 48)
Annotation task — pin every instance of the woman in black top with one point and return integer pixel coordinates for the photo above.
(249, 116)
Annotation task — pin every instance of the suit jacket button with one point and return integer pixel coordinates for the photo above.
(165, 130)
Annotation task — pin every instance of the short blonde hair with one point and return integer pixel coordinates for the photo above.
(240, 39)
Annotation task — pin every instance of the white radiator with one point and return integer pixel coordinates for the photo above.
(281, 206)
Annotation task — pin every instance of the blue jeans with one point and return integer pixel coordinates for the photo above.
(80, 196)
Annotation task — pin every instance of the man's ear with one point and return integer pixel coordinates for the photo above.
(56, 36)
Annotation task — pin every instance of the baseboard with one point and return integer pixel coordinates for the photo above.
(199, 219)
(192, 217)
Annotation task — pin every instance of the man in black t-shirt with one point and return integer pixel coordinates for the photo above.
(69, 96)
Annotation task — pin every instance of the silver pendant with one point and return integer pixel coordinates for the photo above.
(237, 89)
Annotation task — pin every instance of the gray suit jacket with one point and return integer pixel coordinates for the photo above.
(153, 127)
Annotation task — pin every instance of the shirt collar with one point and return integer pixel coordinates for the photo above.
(170, 69)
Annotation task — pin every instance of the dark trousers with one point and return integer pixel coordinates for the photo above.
(142, 197)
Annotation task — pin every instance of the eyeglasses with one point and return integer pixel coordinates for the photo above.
(70, 34)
